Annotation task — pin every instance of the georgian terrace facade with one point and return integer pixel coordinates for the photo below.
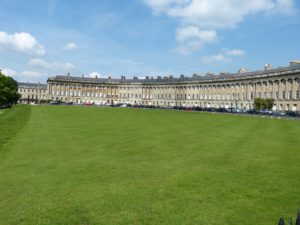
(32, 92)
(219, 91)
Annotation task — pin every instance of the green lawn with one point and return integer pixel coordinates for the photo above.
(69, 165)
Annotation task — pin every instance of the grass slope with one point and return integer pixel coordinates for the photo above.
(11, 122)
(88, 165)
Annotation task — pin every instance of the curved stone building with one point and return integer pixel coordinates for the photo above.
(219, 91)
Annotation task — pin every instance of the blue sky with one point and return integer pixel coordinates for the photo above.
(39, 39)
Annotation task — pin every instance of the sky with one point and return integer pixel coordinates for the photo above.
(142, 38)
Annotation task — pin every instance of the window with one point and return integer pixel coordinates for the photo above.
(294, 107)
(290, 95)
(283, 95)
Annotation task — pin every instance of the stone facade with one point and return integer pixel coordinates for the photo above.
(219, 91)
(32, 92)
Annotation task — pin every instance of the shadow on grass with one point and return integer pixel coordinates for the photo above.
(12, 120)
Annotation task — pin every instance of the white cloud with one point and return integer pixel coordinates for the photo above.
(235, 52)
(26, 75)
(216, 58)
(70, 46)
(38, 63)
(191, 38)
(8, 72)
(165, 5)
(211, 15)
(224, 56)
(285, 7)
(53, 66)
(31, 74)
(22, 42)
(94, 74)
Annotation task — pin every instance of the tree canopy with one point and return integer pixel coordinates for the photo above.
(260, 103)
(8, 91)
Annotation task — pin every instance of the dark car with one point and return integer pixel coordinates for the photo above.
(54, 103)
(279, 113)
(293, 113)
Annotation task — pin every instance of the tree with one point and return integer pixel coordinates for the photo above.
(260, 103)
(8, 91)
(269, 103)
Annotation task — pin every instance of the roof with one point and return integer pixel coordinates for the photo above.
(32, 85)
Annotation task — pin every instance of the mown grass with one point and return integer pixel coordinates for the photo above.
(11, 121)
(88, 165)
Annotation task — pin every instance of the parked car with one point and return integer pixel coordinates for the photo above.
(293, 113)
(237, 110)
(265, 112)
(220, 110)
(252, 111)
(88, 103)
(55, 103)
(279, 113)
(234, 110)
